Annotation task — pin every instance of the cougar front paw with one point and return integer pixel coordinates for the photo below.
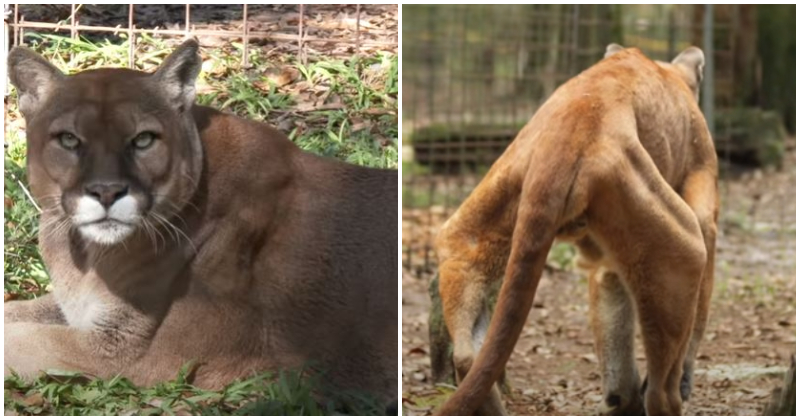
(18, 311)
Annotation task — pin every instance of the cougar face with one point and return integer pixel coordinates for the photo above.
(105, 156)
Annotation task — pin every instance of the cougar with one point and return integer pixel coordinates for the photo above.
(175, 233)
(620, 162)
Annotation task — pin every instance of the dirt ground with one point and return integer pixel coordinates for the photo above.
(748, 343)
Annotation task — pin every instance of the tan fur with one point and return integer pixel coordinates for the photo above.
(618, 161)
(278, 257)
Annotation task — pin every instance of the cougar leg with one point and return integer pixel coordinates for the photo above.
(701, 319)
(43, 310)
(464, 292)
(666, 302)
(655, 233)
(700, 193)
(613, 324)
(30, 348)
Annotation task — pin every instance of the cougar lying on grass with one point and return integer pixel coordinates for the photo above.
(174, 233)
(620, 162)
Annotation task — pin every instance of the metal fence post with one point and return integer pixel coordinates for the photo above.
(131, 38)
(74, 26)
(245, 39)
(708, 77)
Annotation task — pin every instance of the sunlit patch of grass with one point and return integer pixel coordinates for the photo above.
(426, 404)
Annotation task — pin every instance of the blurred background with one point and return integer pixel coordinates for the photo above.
(474, 75)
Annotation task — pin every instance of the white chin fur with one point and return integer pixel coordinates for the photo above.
(106, 233)
(106, 227)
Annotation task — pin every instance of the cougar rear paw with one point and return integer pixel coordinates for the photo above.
(686, 387)
(617, 405)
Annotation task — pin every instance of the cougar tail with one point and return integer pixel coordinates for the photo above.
(546, 194)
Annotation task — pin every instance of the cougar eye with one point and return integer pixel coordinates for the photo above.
(69, 141)
(144, 140)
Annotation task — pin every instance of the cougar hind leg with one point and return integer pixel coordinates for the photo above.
(666, 302)
(701, 319)
(613, 323)
(464, 293)
(700, 193)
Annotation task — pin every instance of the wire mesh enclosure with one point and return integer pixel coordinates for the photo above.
(326, 75)
(246, 24)
(473, 75)
(487, 68)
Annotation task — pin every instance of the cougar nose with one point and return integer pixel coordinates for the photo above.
(107, 193)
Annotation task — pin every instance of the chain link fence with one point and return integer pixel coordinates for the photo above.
(474, 74)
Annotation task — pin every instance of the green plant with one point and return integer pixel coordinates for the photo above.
(289, 392)
(362, 127)
(562, 255)
(24, 273)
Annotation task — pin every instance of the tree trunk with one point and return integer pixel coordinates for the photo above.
(745, 55)
(777, 52)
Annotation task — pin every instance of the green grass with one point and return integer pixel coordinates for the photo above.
(289, 393)
(360, 128)
(562, 256)
(357, 121)
(25, 275)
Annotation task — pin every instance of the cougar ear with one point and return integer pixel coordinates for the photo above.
(612, 49)
(176, 75)
(693, 60)
(34, 77)
(690, 63)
